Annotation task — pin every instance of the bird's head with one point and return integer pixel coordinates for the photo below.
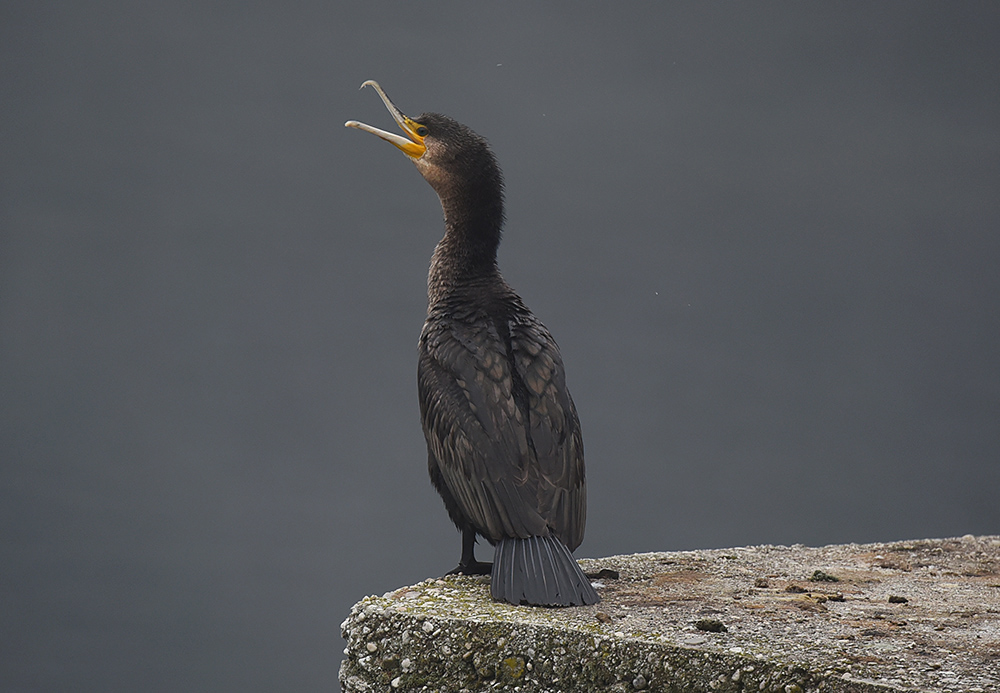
(449, 155)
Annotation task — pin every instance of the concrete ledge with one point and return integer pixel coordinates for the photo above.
(907, 616)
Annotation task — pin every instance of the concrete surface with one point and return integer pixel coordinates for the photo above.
(907, 616)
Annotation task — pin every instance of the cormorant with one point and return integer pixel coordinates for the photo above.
(503, 437)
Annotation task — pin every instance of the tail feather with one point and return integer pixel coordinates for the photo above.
(539, 571)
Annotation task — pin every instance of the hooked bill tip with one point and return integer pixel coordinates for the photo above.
(368, 83)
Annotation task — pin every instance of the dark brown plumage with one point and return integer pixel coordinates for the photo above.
(504, 445)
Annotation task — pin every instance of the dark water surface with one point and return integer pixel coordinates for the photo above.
(764, 236)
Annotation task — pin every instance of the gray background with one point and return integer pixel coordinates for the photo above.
(765, 236)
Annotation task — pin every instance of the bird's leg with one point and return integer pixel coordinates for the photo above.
(469, 565)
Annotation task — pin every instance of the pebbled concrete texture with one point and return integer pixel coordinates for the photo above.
(919, 615)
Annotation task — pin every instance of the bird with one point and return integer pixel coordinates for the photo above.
(504, 446)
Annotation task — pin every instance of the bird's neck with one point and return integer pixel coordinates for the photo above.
(466, 257)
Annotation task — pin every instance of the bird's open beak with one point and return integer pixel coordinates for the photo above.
(413, 147)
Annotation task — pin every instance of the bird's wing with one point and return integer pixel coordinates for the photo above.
(554, 429)
(475, 431)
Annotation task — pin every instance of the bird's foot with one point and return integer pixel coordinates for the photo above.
(472, 568)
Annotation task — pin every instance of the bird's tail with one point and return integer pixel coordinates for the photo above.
(539, 571)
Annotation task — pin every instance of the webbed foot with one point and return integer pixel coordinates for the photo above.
(472, 568)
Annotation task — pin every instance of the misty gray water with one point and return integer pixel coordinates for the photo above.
(765, 237)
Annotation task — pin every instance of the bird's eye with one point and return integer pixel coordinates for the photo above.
(421, 131)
